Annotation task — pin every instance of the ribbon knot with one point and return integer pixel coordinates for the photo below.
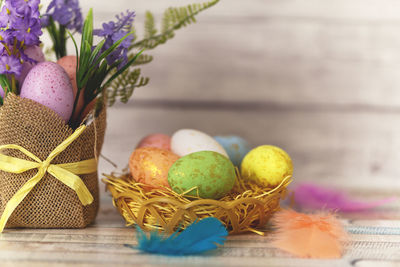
(66, 173)
(45, 165)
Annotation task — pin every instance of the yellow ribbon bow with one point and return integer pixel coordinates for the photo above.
(66, 173)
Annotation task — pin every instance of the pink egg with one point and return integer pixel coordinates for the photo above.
(156, 140)
(48, 84)
(1, 91)
(35, 53)
(69, 65)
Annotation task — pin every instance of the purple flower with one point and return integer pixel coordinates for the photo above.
(108, 29)
(126, 43)
(25, 7)
(28, 31)
(65, 12)
(6, 36)
(124, 23)
(113, 32)
(14, 10)
(20, 23)
(10, 65)
(8, 15)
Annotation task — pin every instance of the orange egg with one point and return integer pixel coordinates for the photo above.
(156, 140)
(150, 166)
(69, 65)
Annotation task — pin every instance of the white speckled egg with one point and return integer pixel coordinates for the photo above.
(35, 53)
(187, 141)
(48, 84)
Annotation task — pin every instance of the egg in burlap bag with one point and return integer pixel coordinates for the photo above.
(39, 130)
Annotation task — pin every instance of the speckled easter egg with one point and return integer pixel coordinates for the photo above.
(34, 52)
(266, 165)
(69, 65)
(150, 166)
(235, 146)
(156, 140)
(187, 141)
(212, 173)
(1, 91)
(48, 84)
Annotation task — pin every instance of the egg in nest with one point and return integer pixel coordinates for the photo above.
(150, 166)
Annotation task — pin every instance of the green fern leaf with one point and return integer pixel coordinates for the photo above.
(173, 19)
(142, 59)
(123, 86)
(149, 25)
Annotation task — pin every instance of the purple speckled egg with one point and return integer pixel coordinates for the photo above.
(35, 53)
(1, 92)
(48, 84)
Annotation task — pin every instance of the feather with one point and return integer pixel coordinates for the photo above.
(200, 236)
(317, 197)
(308, 236)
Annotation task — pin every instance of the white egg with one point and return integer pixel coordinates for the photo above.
(187, 141)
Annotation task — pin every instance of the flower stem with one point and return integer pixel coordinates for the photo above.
(62, 42)
(13, 84)
(72, 123)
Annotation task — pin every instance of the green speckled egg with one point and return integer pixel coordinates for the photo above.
(211, 172)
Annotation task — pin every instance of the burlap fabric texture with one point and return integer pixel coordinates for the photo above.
(50, 204)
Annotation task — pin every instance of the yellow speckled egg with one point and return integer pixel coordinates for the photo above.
(150, 166)
(266, 165)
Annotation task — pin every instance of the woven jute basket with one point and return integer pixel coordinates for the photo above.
(247, 208)
(50, 204)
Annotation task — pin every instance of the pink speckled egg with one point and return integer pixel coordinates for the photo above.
(69, 65)
(156, 140)
(35, 53)
(48, 84)
(150, 166)
(1, 91)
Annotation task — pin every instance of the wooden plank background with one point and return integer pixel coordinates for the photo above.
(318, 78)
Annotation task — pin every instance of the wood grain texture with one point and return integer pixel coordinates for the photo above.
(318, 78)
(291, 51)
(342, 148)
(102, 244)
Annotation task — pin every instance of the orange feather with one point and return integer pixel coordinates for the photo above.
(309, 236)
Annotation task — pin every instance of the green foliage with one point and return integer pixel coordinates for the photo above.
(5, 86)
(93, 73)
(124, 85)
(59, 37)
(142, 59)
(172, 20)
(149, 25)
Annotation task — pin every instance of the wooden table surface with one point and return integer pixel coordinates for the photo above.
(375, 241)
(319, 78)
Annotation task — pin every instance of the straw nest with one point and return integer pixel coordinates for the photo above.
(246, 208)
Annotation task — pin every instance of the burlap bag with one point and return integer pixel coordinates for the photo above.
(50, 204)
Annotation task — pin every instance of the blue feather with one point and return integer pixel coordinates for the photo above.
(200, 236)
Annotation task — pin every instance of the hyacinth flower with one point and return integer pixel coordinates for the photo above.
(19, 28)
(114, 31)
(100, 64)
(62, 15)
